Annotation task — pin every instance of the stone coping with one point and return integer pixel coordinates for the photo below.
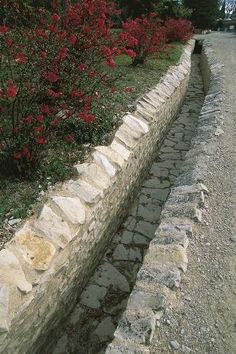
(166, 259)
(45, 266)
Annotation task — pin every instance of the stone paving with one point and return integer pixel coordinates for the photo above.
(91, 325)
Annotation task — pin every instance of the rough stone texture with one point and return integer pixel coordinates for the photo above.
(157, 278)
(78, 250)
(4, 299)
(168, 248)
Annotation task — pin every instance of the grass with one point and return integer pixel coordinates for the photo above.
(18, 196)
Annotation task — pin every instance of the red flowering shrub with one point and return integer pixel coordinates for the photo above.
(51, 75)
(144, 35)
(178, 30)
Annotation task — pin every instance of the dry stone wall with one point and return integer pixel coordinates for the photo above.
(166, 259)
(45, 266)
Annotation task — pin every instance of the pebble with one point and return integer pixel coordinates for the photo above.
(174, 345)
(13, 222)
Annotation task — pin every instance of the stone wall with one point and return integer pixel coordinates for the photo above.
(45, 266)
(166, 260)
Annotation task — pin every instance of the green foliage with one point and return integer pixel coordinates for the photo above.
(204, 13)
(165, 8)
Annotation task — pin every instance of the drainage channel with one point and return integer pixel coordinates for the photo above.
(91, 325)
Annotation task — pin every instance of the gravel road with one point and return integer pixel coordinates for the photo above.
(204, 318)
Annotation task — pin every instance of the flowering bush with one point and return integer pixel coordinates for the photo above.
(178, 30)
(144, 35)
(51, 75)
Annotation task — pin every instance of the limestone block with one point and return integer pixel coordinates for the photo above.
(188, 210)
(112, 155)
(137, 326)
(35, 250)
(4, 308)
(120, 149)
(125, 138)
(174, 236)
(107, 275)
(95, 174)
(170, 254)
(103, 161)
(173, 224)
(105, 329)
(54, 227)
(85, 191)
(135, 123)
(72, 208)
(92, 296)
(122, 253)
(146, 110)
(161, 274)
(126, 347)
(134, 133)
(12, 273)
(145, 228)
(140, 299)
(156, 97)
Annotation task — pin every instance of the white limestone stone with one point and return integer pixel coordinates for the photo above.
(34, 249)
(92, 172)
(111, 154)
(72, 208)
(12, 273)
(120, 149)
(128, 140)
(4, 303)
(105, 163)
(136, 123)
(85, 191)
(54, 227)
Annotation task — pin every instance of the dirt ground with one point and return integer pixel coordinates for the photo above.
(204, 319)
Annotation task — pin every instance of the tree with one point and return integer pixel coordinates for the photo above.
(204, 13)
(164, 8)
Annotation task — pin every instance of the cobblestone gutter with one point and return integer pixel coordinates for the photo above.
(44, 267)
(166, 259)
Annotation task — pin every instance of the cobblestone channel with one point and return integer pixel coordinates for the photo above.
(91, 325)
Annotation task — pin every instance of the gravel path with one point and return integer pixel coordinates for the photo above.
(204, 321)
(91, 325)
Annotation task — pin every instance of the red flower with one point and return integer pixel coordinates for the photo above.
(62, 53)
(17, 155)
(87, 117)
(51, 76)
(45, 109)
(69, 138)
(82, 67)
(44, 55)
(20, 58)
(4, 29)
(11, 90)
(40, 33)
(54, 94)
(111, 63)
(40, 118)
(9, 42)
(1, 130)
(41, 140)
(129, 89)
(26, 153)
(29, 119)
(55, 18)
(62, 35)
(77, 93)
(38, 129)
(55, 122)
(72, 39)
